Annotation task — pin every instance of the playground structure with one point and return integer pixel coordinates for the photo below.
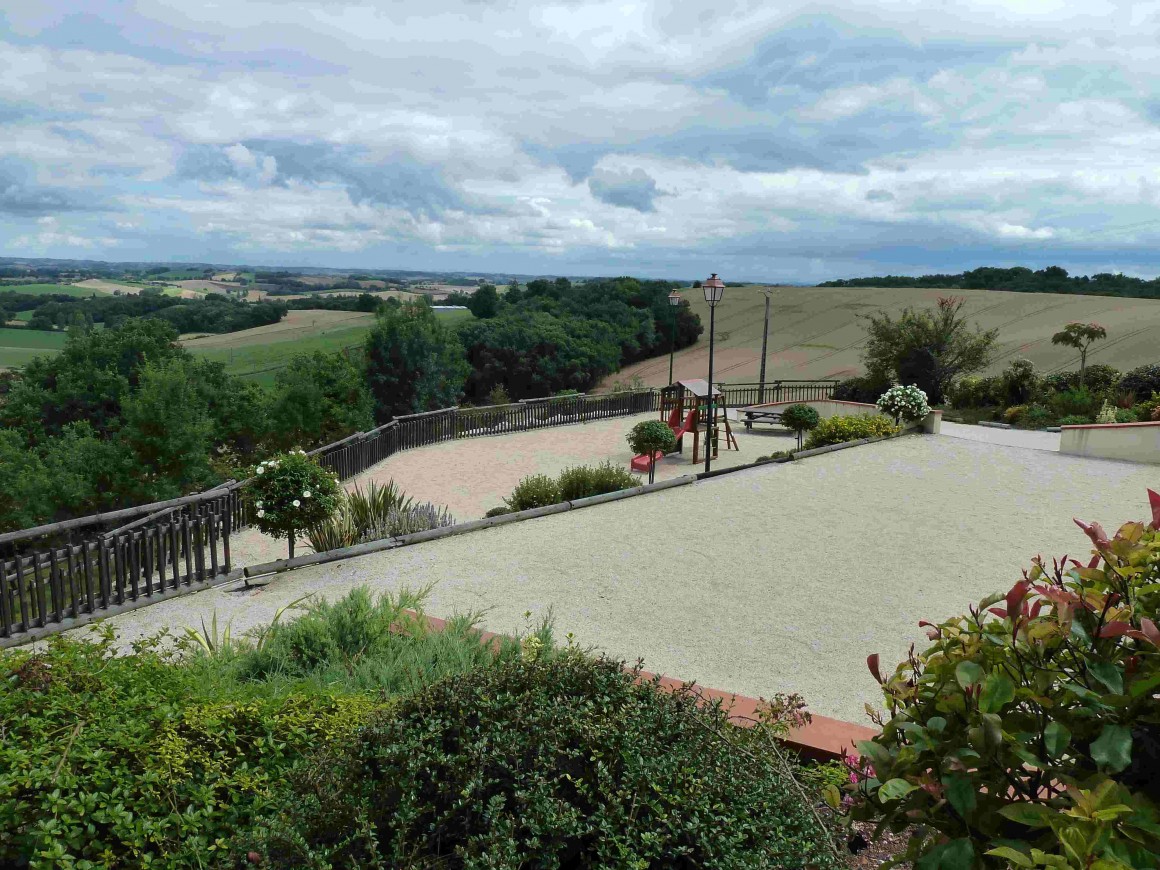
(683, 407)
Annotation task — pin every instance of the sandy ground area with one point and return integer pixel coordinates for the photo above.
(1010, 437)
(283, 330)
(473, 475)
(779, 578)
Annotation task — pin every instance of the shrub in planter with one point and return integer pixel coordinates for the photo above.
(1028, 733)
(1125, 415)
(649, 437)
(975, 392)
(291, 492)
(800, 419)
(1077, 401)
(536, 490)
(1143, 381)
(588, 480)
(1146, 411)
(1036, 417)
(906, 404)
(1014, 415)
(1074, 420)
(1021, 383)
(839, 430)
(1099, 378)
(570, 762)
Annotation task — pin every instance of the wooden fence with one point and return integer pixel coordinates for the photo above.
(743, 395)
(357, 453)
(177, 546)
(64, 570)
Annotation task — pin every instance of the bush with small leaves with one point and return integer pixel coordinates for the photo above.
(589, 480)
(566, 762)
(839, 430)
(1143, 381)
(1125, 415)
(498, 511)
(1077, 401)
(1028, 734)
(650, 437)
(290, 493)
(536, 490)
(906, 404)
(1036, 417)
(1074, 420)
(800, 419)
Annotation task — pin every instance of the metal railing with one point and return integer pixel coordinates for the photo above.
(742, 395)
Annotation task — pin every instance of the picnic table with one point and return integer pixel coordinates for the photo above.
(758, 416)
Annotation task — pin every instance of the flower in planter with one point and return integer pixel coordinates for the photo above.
(904, 403)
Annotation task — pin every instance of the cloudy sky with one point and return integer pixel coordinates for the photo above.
(763, 140)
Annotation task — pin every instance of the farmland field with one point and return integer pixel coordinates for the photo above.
(258, 353)
(19, 346)
(815, 332)
(103, 286)
(49, 289)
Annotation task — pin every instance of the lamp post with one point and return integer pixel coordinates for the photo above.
(768, 291)
(714, 289)
(674, 304)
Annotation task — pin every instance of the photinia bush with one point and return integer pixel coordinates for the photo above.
(291, 492)
(1028, 733)
(904, 404)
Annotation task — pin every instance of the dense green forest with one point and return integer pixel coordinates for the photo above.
(124, 415)
(1053, 279)
(214, 313)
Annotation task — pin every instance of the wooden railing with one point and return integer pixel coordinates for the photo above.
(743, 395)
(357, 453)
(177, 546)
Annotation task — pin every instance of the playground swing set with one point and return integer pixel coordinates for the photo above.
(684, 408)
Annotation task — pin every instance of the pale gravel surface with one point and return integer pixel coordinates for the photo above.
(1009, 437)
(780, 578)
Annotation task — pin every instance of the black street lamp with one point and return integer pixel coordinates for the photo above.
(674, 303)
(714, 289)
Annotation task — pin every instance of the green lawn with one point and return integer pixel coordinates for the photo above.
(18, 346)
(48, 289)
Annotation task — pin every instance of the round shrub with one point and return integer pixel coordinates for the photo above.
(1077, 401)
(1036, 417)
(1143, 381)
(589, 480)
(1031, 723)
(906, 404)
(1021, 383)
(839, 430)
(1098, 377)
(1014, 415)
(1074, 420)
(1125, 415)
(799, 419)
(290, 493)
(498, 511)
(975, 392)
(536, 490)
(650, 436)
(566, 762)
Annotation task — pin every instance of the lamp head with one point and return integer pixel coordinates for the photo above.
(714, 289)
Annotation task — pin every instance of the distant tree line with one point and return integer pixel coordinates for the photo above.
(1053, 279)
(215, 313)
(124, 415)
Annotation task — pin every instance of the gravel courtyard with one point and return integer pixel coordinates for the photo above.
(780, 578)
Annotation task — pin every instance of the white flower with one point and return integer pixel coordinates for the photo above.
(261, 513)
(297, 503)
(261, 468)
(306, 494)
(259, 504)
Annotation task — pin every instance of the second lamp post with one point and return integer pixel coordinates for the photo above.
(714, 289)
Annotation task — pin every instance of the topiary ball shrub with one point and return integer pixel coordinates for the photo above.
(906, 404)
(570, 762)
(1026, 734)
(649, 437)
(839, 430)
(799, 419)
(291, 492)
(536, 490)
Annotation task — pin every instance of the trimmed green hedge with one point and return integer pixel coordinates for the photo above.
(839, 430)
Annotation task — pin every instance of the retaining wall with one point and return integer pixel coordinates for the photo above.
(1134, 442)
(838, 408)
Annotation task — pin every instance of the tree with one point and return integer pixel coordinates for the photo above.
(484, 302)
(167, 426)
(927, 348)
(24, 485)
(413, 363)
(649, 436)
(319, 398)
(1080, 336)
(291, 493)
(800, 419)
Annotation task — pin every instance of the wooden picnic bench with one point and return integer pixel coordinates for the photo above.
(757, 416)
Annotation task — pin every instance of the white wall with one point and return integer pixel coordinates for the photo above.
(1135, 442)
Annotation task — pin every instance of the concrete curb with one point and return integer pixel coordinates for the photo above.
(991, 424)
(84, 619)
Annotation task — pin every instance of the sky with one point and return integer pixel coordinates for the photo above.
(765, 140)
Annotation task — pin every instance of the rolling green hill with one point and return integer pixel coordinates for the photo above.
(815, 332)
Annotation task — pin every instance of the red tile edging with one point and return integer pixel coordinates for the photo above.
(823, 739)
(1110, 425)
